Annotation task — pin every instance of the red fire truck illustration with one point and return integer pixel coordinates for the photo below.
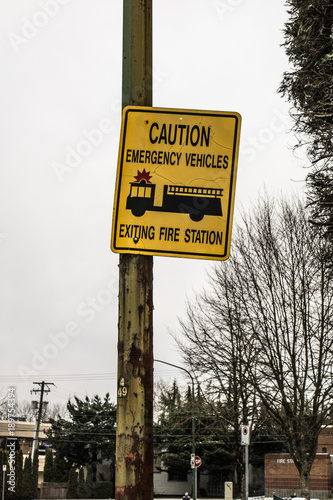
(195, 201)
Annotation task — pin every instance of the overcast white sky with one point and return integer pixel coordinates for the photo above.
(61, 80)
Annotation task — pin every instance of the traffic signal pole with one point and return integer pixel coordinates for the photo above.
(134, 434)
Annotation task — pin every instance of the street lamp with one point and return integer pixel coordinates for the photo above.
(194, 470)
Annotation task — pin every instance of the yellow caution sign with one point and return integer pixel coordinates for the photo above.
(175, 183)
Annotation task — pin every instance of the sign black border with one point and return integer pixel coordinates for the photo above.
(174, 253)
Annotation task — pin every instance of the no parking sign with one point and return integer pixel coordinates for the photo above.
(245, 435)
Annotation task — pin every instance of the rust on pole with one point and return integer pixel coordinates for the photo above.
(134, 441)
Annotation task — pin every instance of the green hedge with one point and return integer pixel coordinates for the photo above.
(103, 489)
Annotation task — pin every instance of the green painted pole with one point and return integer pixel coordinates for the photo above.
(134, 435)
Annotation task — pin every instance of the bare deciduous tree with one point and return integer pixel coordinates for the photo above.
(285, 285)
(24, 410)
(265, 327)
(3, 407)
(213, 346)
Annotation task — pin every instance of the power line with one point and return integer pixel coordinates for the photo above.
(60, 377)
(74, 376)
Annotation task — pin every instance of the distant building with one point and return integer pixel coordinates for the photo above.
(24, 432)
(282, 477)
(325, 440)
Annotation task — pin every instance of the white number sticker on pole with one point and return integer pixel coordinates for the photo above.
(192, 460)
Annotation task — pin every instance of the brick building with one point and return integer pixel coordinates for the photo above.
(325, 440)
(24, 435)
(282, 477)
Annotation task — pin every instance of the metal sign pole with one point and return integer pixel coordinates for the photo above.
(246, 472)
(245, 441)
(195, 483)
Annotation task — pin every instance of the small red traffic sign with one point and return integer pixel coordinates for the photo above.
(197, 461)
(245, 435)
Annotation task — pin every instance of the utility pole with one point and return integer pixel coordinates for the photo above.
(194, 469)
(44, 387)
(134, 440)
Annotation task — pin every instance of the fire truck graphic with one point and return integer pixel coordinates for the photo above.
(195, 201)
